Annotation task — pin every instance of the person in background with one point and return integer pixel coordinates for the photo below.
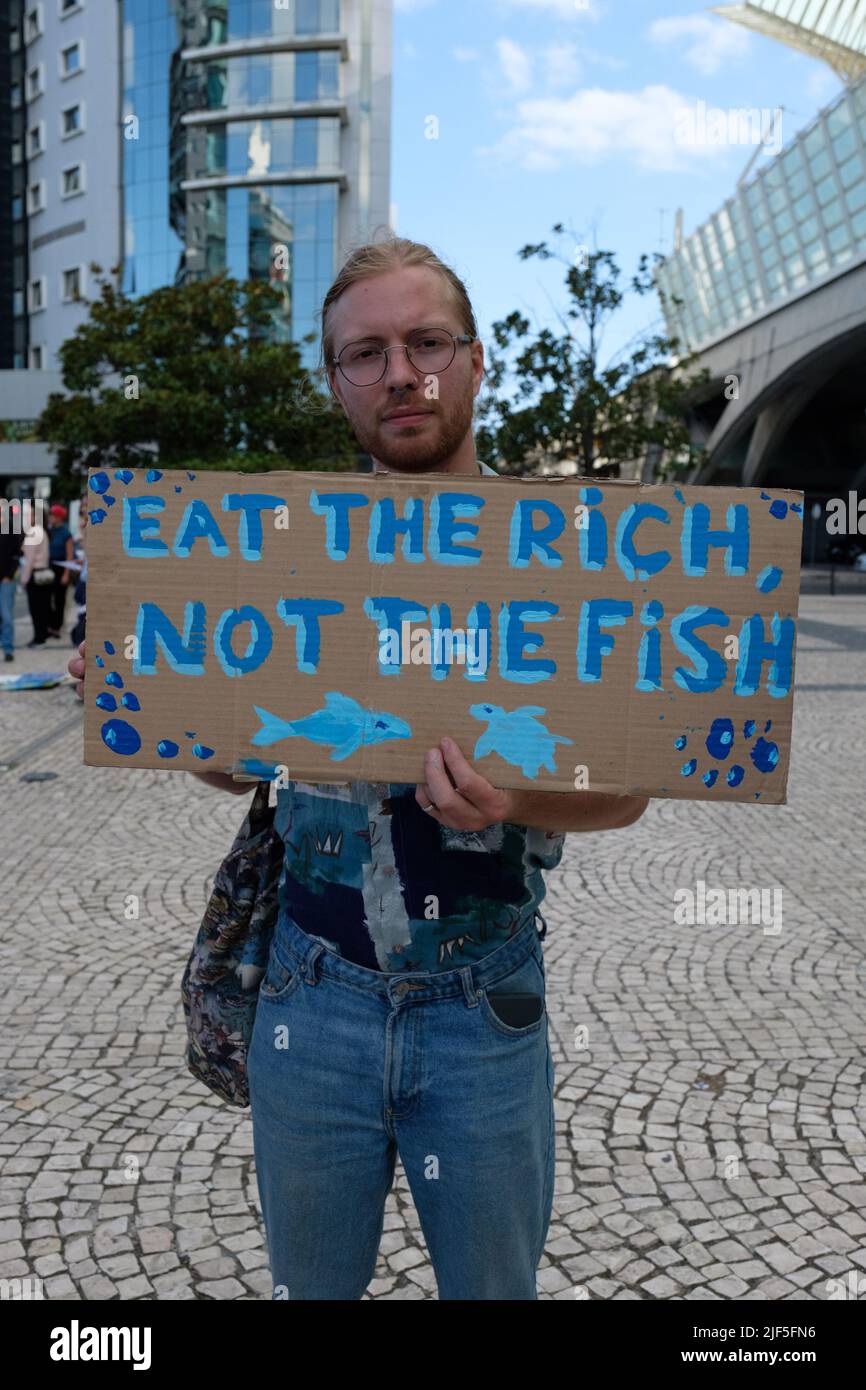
(37, 581)
(60, 549)
(80, 594)
(11, 542)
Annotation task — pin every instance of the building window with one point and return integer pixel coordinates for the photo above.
(71, 59)
(71, 284)
(72, 180)
(17, 303)
(17, 152)
(33, 26)
(36, 140)
(72, 120)
(36, 359)
(37, 294)
(17, 207)
(69, 7)
(36, 196)
(15, 95)
(35, 82)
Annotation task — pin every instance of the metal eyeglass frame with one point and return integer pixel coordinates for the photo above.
(455, 337)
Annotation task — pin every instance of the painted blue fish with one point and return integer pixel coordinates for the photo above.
(517, 737)
(342, 722)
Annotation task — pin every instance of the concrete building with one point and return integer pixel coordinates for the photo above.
(773, 285)
(177, 138)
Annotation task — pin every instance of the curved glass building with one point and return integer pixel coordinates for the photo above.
(255, 139)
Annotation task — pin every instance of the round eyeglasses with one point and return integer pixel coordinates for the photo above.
(430, 350)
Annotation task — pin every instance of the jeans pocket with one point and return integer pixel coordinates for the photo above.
(527, 978)
(280, 980)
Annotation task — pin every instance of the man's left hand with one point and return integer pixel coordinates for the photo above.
(469, 802)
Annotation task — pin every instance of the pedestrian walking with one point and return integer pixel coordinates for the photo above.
(60, 549)
(37, 579)
(402, 1010)
(80, 591)
(11, 542)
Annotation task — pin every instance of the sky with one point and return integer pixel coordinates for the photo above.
(584, 112)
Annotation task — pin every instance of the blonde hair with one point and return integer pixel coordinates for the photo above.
(390, 253)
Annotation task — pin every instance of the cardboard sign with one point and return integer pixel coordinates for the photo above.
(568, 635)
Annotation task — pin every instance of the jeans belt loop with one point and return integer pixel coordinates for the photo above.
(469, 989)
(308, 965)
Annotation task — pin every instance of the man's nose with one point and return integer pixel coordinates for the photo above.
(400, 372)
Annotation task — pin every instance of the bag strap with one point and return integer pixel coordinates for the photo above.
(260, 814)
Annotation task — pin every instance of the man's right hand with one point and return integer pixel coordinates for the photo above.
(75, 667)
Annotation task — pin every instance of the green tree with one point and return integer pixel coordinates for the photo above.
(572, 405)
(189, 375)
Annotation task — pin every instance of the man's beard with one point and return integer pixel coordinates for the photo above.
(414, 452)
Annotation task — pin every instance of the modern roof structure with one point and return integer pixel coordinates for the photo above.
(833, 30)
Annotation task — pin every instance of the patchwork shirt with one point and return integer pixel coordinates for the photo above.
(382, 883)
(379, 881)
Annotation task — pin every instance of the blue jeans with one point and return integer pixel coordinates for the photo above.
(349, 1067)
(7, 615)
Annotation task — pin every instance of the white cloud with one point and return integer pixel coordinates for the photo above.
(708, 44)
(515, 64)
(594, 125)
(562, 9)
(466, 55)
(562, 65)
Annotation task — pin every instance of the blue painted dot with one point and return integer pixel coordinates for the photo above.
(679, 496)
(765, 755)
(113, 678)
(191, 477)
(153, 475)
(766, 496)
(178, 489)
(688, 768)
(130, 701)
(96, 516)
(720, 738)
(768, 579)
(109, 647)
(779, 509)
(189, 733)
(200, 751)
(120, 737)
(681, 741)
(109, 500)
(100, 482)
(735, 775)
(123, 475)
(99, 661)
(166, 749)
(768, 726)
(106, 701)
(710, 777)
(795, 507)
(748, 728)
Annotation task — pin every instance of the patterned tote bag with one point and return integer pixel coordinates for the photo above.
(219, 989)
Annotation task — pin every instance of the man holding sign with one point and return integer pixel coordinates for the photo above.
(403, 1005)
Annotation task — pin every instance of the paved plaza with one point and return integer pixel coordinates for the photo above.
(711, 1105)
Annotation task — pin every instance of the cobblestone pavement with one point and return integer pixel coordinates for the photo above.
(710, 1136)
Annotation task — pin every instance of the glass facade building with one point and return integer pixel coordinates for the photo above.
(799, 221)
(240, 143)
(833, 30)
